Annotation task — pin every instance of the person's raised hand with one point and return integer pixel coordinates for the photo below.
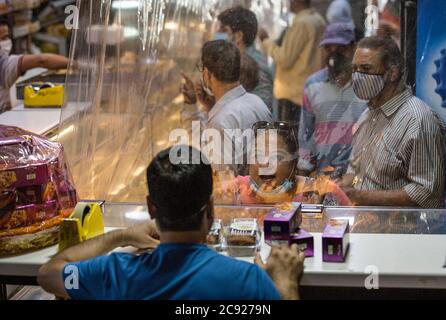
(188, 90)
(263, 34)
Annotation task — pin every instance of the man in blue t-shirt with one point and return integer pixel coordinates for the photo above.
(182, 267)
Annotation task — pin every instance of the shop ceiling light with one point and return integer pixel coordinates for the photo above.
(171, 25)
(125, 4)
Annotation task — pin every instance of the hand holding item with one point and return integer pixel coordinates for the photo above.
(263, 34)
(143, 236)
(285, 266)
(352, 194)
(188, 90)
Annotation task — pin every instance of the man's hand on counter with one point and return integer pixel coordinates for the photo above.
(285, 267)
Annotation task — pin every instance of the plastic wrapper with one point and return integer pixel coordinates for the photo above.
(123, 97)
(122, 91)
(36, 190)
(215, 238)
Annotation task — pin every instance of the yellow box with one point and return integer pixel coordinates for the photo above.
(44, 96)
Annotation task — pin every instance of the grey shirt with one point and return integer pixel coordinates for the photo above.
(237, 110)
(10, 71)
(401, 146)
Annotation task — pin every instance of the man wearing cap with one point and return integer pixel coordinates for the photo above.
(330, 106)
(340, 11)
(13, 66)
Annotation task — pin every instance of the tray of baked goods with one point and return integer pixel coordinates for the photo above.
(240, 238)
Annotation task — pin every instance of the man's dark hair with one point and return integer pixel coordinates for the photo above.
(250, 73)
(241, 19)
(389, 51)
(181, 191)
(222, 59)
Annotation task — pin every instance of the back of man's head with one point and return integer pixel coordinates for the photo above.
(180, 192)
(222, 59)
(243, 20)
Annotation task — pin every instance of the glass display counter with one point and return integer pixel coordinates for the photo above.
(405, 247)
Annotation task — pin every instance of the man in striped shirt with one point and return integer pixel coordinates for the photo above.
(398, 156)
(330, 107)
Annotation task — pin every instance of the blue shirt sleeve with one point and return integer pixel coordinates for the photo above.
(94, 279)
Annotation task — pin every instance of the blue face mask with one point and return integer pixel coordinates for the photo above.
(221, 36)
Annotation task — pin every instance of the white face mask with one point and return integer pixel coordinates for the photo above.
(206, 88)
(6, 47)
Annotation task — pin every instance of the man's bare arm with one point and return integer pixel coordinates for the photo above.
(48, 61)
(385, 198)
(50, 274)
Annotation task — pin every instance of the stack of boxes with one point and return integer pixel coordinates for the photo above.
(282, 227)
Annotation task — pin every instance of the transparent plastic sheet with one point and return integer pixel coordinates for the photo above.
(123, 96)
(333, 115)
(330, 111)
(122, 91)
(36, 190)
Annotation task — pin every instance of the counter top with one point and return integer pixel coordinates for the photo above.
(403, 261)
(39, 120)
(34, 120)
